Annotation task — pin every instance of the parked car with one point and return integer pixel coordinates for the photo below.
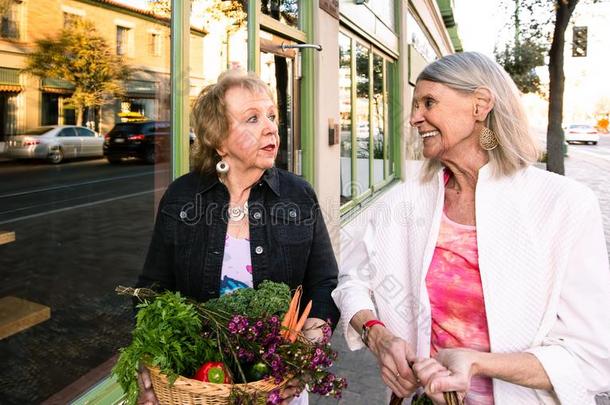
(584, 133)
(146, 140)
(55, 143)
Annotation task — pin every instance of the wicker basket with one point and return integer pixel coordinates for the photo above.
(186, 391)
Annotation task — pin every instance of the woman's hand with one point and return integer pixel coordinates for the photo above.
(393, 355)
(426, 370)
(450, 370)
(293, 388)
(147, 395)
(316, 330)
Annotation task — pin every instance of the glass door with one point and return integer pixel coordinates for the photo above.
(279, 71)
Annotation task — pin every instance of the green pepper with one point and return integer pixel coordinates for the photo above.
(257, 371)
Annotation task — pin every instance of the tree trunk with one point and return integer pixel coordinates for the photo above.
(79, 115)
(554, 135)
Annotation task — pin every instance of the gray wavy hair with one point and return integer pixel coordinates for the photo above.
(467, 71)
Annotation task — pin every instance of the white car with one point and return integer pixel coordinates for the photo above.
(55, 143)
(584, 133)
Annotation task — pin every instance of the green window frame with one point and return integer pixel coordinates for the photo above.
(373, 160)
(304, 33)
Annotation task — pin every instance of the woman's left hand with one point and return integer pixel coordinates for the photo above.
(450, 370)
(314, 330)
(293, 388)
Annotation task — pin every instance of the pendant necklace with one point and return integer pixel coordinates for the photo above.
(238, 212)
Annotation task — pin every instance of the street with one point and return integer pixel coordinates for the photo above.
(30, 189)
(602, 149)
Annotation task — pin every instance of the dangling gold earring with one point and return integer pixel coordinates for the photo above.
(488, 139)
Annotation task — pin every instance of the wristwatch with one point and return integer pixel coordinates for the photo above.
(364, 335)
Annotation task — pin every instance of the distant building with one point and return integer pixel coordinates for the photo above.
(140, 36)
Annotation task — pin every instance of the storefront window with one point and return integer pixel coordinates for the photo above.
(362, 117)
(285, 11)
(345, 112)
(372, 114)
(393, 114)
(278, 72)
(226, 23)
(78, 204)
(378, 119)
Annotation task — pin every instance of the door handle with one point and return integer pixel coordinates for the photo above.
(285, 46)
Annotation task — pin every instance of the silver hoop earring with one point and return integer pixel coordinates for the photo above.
(222, 167)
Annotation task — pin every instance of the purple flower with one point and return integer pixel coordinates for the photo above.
(274, 397)
(238, 324)
(245, 354)
(326, 333)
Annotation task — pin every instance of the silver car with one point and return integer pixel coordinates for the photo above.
(55, 143)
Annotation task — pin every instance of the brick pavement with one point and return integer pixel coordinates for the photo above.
(360, 367)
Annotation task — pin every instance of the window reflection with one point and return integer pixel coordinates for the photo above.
(390, 80)
(277, 72)
(378, 119)
(362, 118)
(85, 150)
(226, 44)
(9, 19)
(345, 112)
(373, 116)
(285, 11)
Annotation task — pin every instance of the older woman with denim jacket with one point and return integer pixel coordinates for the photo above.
(480, 273)
(236, 220)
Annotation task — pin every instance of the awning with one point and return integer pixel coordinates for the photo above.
(141, 89)
(9, 80)
(57, 86)
(10, 88)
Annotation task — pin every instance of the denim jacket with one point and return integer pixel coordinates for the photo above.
(289, 241)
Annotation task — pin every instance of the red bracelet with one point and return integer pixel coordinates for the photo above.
(365, 329)
(372, 322)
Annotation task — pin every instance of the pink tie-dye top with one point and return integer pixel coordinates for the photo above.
(456, 299)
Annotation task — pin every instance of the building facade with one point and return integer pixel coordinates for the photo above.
(139, 36)
(343, 74)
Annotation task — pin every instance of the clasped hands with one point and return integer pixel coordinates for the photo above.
(449, 370)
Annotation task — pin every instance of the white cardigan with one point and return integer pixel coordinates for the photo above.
(543, 264)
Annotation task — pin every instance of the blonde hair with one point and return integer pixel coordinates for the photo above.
(468, 71)
(211, 119)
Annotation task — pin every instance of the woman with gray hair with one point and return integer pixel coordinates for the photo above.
(479, 273)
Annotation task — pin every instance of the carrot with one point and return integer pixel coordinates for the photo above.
(294, 332)
(293, 311)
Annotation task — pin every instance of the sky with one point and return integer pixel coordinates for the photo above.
(479, 23)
